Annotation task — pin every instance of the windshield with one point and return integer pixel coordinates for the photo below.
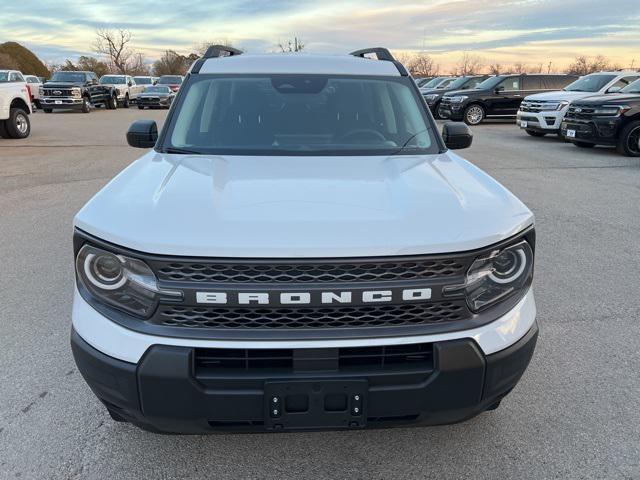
(446, 83)
(112, 80)
(589, 83)
(143, 80)
(300, 115)
(457, 83)
(157, 90)
(489, 83)
(433, 83)
(633, 87)
(170, 80)
(73, 77)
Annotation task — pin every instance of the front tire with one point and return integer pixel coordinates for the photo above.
(125, 104)
(629, 141)
(86, 106)
(3, 129)
(18, 124)
(140, 107)
(112, 103)
(583, 144)
(534, 133)
(474, 114)
(47, 110)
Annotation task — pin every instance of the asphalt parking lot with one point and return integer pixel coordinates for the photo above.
(574, 414)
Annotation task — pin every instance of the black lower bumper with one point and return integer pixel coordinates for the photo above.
(451, 113)
(173, 390)
(597, 131)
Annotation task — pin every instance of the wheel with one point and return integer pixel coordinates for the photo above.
(533, 133)
(629, 141)
(436, 111)
(112, 103)
(474, 114)
(18, 124)
(47, 110)
(583, 144)
(140, 107)
(38, 104)
(3, 129)
(125, 104)
(86, 106)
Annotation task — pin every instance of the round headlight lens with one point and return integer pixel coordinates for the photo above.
(508, 266)
(104, 270)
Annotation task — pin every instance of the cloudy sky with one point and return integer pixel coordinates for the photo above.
(506, 31)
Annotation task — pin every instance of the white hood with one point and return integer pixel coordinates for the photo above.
(561, 95)
(233, 206)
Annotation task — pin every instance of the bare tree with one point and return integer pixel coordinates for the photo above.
(295, 45)
(582, 65)
(113, 44)
(495, 68)
(138, 65)
(422, 65)
(520, 67)
(92, 64)
(469, 64)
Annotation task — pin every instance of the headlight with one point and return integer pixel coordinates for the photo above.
(562, 105)
(611, 110)
(75, 92)
(430, 98)
(458, 99)
(41, 90)
(496, 276)
(119, 281)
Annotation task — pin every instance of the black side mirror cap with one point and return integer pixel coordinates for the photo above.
(142, 134)
(456, 136)
(499, 89)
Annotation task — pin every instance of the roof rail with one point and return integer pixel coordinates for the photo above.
(384, 54)
(214, 51)
(380, 52)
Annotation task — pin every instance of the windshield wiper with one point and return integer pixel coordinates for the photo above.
(179, 151)
(407, 142)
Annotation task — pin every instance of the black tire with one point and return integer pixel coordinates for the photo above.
(140, 107)
(629, 141)
(18, 124)
(38, 104)
(534, 133)
(474, 114)
(126, 104)
(3, 129)
(47, 110)
(436, 113)
(86, 106)
(583, 144)
(112, 103)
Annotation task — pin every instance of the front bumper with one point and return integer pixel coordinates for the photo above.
(547, 122)
(167, 392)
(155, 382)
(599, 130)
(451, 111)
(61, 102)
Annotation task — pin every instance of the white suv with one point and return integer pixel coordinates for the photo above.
(300, 249)
(543, 113)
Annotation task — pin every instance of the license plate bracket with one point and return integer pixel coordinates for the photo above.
(315, 405)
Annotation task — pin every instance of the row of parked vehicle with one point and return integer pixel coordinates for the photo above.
(21, 94)
(597, 109)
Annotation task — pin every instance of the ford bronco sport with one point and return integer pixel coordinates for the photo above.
(300, 250)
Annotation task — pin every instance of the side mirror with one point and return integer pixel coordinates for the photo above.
(142, 134)
(130, 84)
(456, 136)
(499, 89)
(614, 89)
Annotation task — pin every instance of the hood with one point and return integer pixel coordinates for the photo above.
(610, 98)
(62, 84)
(154, 94)
(235, 206)
(453, 93)
(560, 95)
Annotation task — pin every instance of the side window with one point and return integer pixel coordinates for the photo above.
(473, 82)
(13, 77)
(532, 83)
(623, 82)
(510, 84)
(131, 80)
(561, 81)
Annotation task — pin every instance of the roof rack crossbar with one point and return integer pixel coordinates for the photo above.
(215, 51)
(380, 53)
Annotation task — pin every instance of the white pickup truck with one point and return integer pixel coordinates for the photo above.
(125, 86)
(15, 105)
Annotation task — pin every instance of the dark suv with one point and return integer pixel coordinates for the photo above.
(434, 96)
(612, 120)
(498, 96)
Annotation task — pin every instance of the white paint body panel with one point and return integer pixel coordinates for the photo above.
(297, 63)
(129, 346)
(302, 207)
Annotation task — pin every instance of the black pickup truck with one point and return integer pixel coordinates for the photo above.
(612, 120)
(76, 90)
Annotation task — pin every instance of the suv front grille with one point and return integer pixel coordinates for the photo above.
(536, 106)
(580, 112)
(311, 317)
(277, 273)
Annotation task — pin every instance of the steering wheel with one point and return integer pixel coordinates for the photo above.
(365, 133)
